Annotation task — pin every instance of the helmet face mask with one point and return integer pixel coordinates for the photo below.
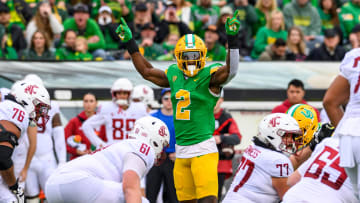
(190, 53)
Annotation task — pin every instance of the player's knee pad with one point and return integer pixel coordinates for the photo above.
(6, 136)
(5, 157)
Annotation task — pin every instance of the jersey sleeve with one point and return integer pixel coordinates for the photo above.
(348, 62)
(280, 167)
(144, 151)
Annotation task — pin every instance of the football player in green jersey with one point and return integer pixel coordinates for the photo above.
(195, 90)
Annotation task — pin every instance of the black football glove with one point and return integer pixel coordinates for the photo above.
(326, 130)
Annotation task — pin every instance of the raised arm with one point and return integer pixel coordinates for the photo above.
(228, 72)
(147, 71)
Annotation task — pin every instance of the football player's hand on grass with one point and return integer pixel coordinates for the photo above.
(124, 31)
(232, 25)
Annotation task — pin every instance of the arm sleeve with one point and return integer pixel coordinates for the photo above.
(346, 63)
(60, 146)
(69, 131)
(135, 163)
(88, 127)
(55, 25)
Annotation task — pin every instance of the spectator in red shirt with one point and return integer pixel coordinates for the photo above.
(295, 95)
(77, 143)
(227, 135)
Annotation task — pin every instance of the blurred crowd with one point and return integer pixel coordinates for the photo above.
(84, 30)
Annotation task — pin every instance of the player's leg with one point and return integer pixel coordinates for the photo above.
(167, 168)
(204, 171)
(48, 167)
(183, 180)
(221, 180)
(32, 189)
(5, 195)
(153, 183)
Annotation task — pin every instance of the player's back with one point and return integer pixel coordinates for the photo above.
(107, 163)
(120, 122)
(253, 179)
(322, 179)
(44, 143)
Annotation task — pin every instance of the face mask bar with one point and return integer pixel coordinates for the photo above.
(292, 141)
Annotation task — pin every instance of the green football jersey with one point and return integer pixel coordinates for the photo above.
(193, 105)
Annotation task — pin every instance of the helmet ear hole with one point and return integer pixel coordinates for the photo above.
(270, 137)
(155, 144)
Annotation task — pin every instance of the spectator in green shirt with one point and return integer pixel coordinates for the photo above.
(15, 36)
(328, 14)
(273, 30)
(120, 8)
(67, 50)
(88, 28)
(349, 16)
(215, 51)
(6, 52)
(147, 47)
(203, 15)
(39, 48)
(263, 10)
(169, 46)
(302, 14)
(81, 48)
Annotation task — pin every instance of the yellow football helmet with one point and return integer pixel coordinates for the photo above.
(190, 52)
(308, 121)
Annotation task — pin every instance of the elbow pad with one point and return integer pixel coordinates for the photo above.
(5, 157)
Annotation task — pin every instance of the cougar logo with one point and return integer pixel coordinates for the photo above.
(162, 131)
(274, 121)
(307, 113)
(31, 89)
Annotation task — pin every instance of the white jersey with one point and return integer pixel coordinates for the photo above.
(350, 69)
(118, 122)
(253, 179)
(107, 163)
(15, 113)
(322, 179)
(44, 142)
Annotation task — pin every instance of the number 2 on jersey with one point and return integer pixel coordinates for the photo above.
(184, 101)
(251, 165)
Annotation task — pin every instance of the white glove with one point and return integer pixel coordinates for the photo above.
(18, 192)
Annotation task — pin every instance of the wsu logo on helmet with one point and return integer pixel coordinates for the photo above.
(162, 131)
(31, 89)
(274, 121)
